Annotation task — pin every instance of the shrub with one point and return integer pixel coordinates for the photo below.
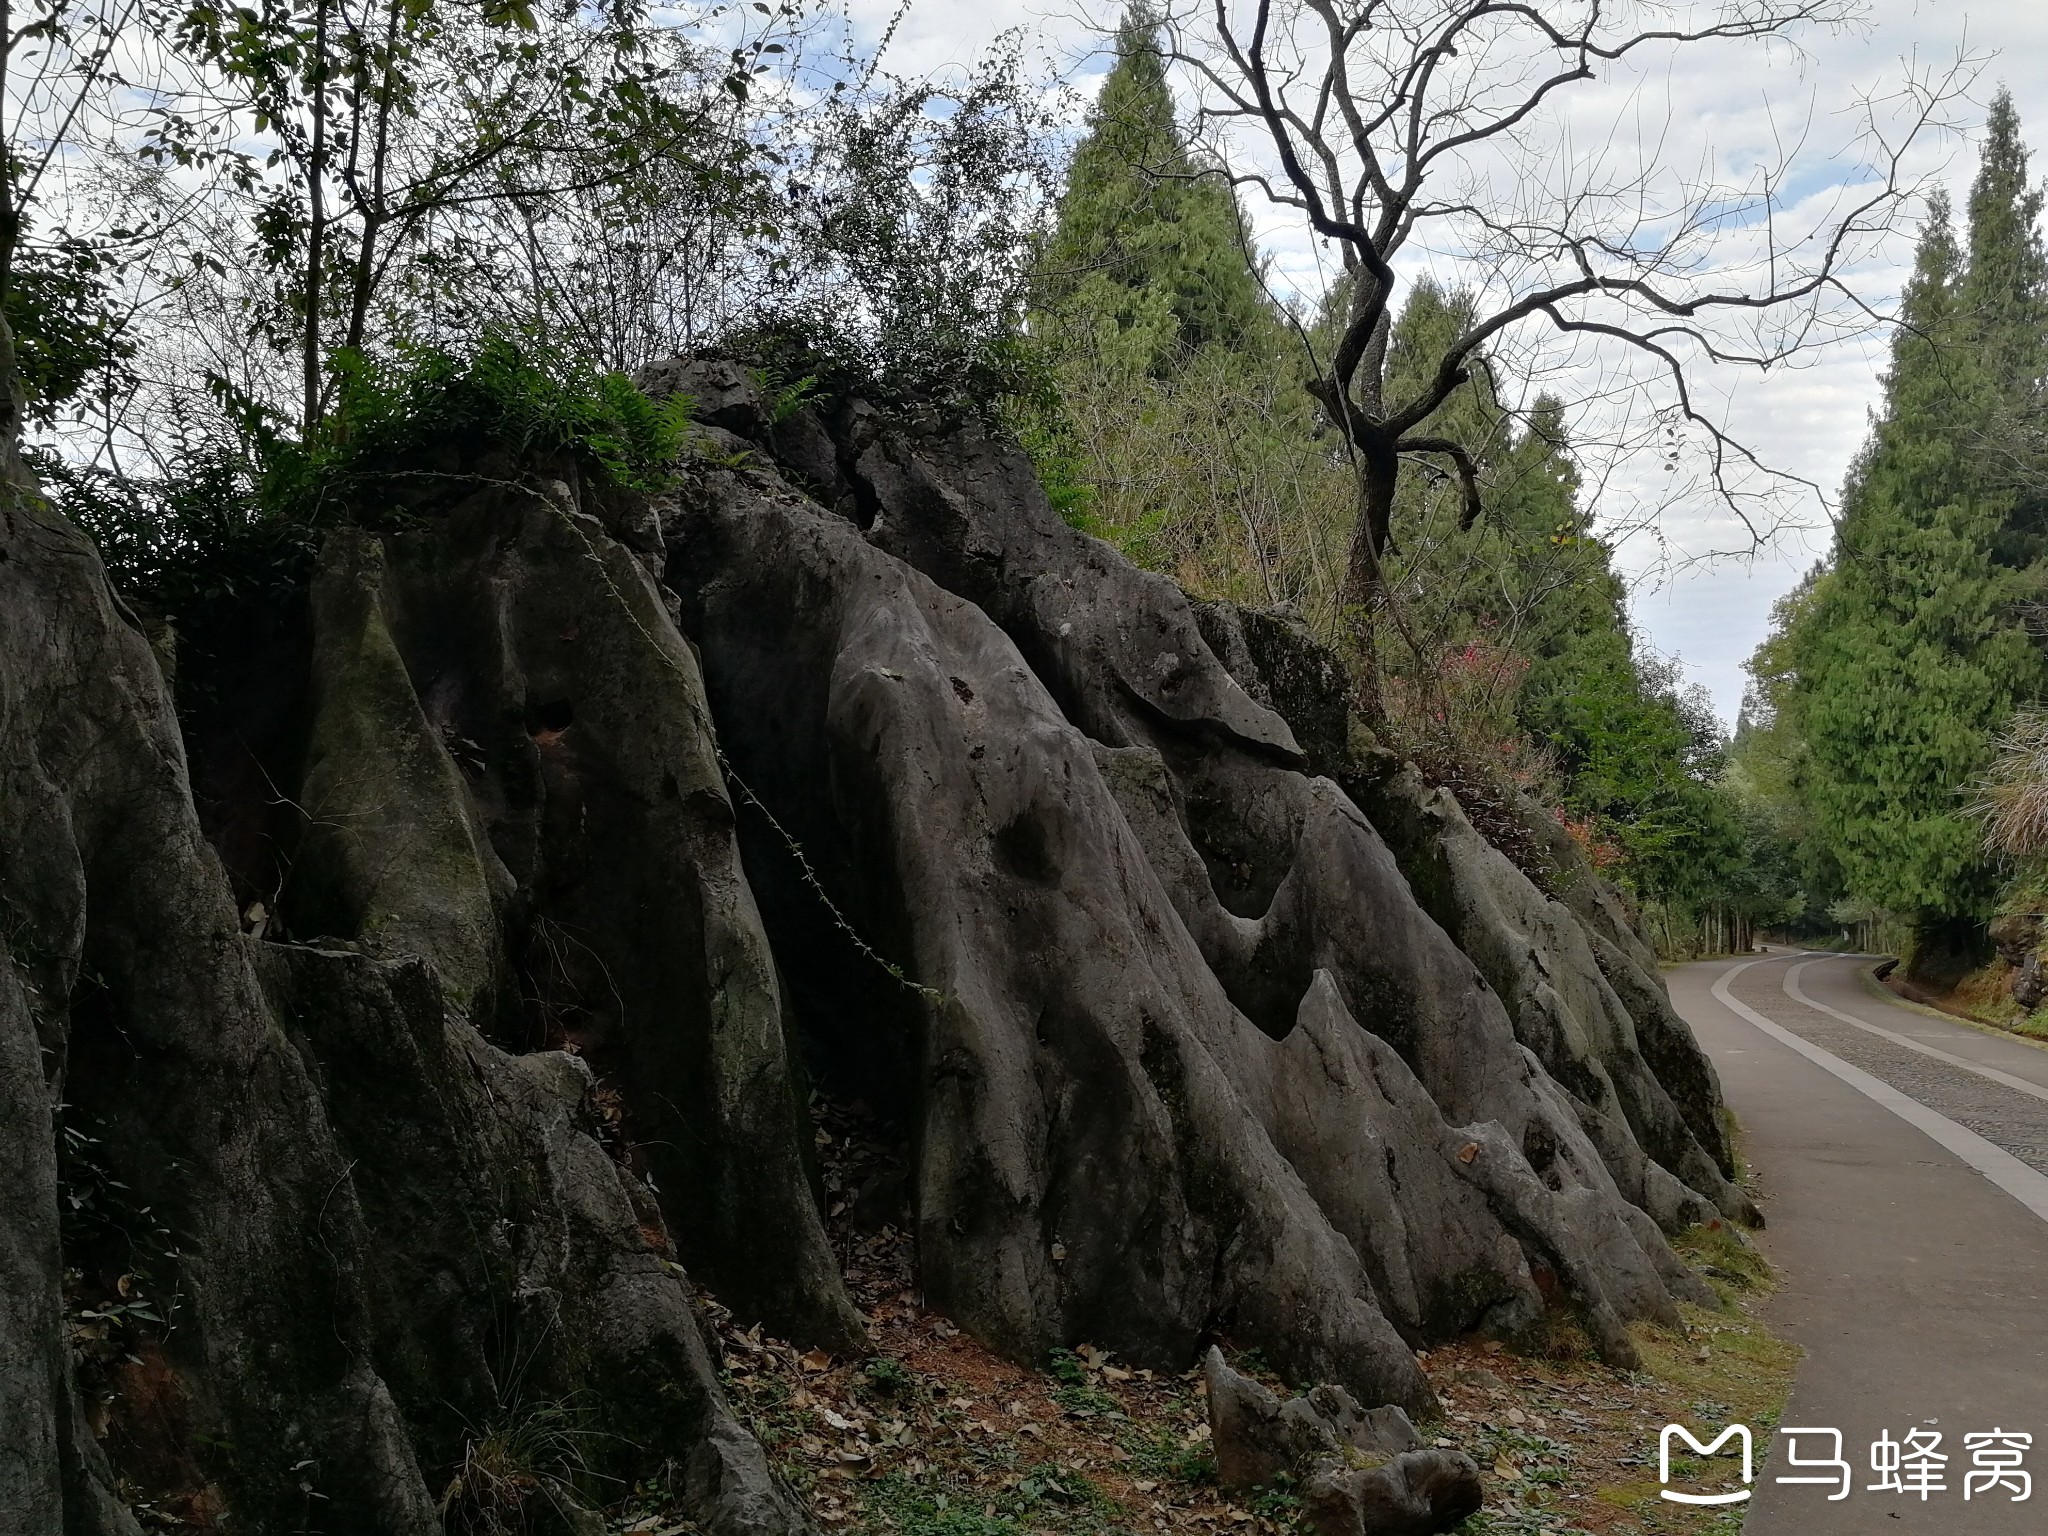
(500, 393)
(229, 524)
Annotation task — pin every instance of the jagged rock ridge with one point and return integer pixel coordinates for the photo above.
(617, 824)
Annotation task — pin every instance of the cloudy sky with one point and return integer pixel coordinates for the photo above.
(1733, 107)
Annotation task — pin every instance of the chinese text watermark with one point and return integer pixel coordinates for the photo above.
(1914, 1465)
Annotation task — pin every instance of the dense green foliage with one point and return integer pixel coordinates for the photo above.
(307, 255)
(500, 393)
(257, 200)
(1893, 669)
(67, 336)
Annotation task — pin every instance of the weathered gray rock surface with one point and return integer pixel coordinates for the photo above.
(1234, 951)
(387, 1229)
(1543, 960)
(1257, 1436)
(1362, 1472)
(1418, 1493)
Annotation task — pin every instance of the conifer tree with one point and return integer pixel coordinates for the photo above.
(1180, 431)
(1514, 637)
(2002, 319)
(1148, 254)
(1912, 653)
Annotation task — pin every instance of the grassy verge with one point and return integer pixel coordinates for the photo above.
(1570, 1445)
(1980, 998)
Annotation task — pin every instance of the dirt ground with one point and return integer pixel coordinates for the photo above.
(935, 1436)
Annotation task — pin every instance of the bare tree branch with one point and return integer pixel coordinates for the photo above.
(1400, 130)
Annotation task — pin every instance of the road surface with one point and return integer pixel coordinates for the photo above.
(1903, 1161)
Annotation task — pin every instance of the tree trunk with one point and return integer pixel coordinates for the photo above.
(373, 212)
(316, 233)
(1364, 595)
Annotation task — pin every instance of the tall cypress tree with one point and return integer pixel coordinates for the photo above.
(1149, 255)
(2002, 297)
(1180, 430)
(1912, 654)
(2002, 324)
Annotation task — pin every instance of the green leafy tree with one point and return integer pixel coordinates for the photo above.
(61, 255)
(399, 139)
(1770, 762)
(1520, 568)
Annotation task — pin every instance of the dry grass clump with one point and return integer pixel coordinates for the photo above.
(524, 1473)
(2012, 795)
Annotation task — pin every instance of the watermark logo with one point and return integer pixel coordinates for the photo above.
(1735, 1432)
(1913, 1466)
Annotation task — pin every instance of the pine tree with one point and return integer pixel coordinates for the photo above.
(2002, 325)
(1149, 255)
(1911, 653)
(1181, 431)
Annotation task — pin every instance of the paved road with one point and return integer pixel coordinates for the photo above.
(1904, 1168)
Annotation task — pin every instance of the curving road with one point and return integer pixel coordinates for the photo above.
(1903, 1160)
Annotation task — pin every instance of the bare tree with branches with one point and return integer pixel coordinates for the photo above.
(1402, 131)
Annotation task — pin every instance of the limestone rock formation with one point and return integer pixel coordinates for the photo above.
(1543, 960)
(388, 1233)
(1240, 961)
(1418, 1493)
(475, 1006)
(1362, 1472)
(1257, 1436)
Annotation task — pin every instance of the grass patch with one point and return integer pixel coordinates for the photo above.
(528, 1470)
(1730, 1368)
(1727, 1259)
